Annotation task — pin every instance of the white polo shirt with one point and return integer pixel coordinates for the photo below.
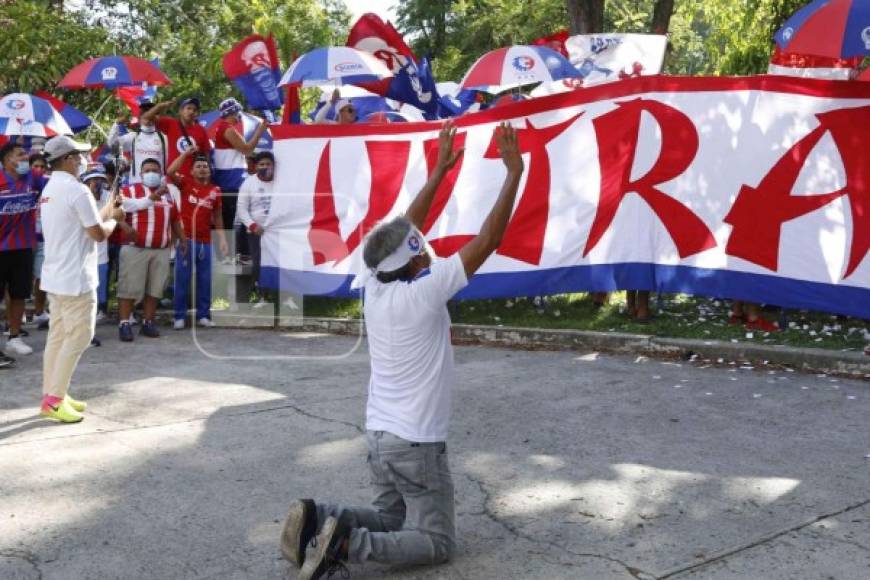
(68, 207)
(408, 329)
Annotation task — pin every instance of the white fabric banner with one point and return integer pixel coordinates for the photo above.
(609, 57)
(756, 188)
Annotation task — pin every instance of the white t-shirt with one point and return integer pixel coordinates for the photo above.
(68, 207)
(408, 329)
(255, 200)
(140, 146)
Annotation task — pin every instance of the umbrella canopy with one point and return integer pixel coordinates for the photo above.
(386, 117)
(76, 120)
(515, 66)
(337, 65)
(249, 124)
(864, 76)
(24, 114)
(109, 72)
(831, 28)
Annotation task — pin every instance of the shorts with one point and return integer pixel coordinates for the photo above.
(143, 272)
(38, 259)
(16, 273)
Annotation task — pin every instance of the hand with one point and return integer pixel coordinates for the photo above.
(190, 150)
(183, 248)
(158, 193)
(118, 214)
(509, 148)
(335, 96)
(123, 118)
(447, 157)
(224, 248)
(259, 232)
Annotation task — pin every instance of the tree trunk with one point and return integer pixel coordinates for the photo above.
(586, 16)
(662, 16)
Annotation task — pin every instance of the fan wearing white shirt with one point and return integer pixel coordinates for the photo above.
(72, 226)
(254, 203)
(411, 520)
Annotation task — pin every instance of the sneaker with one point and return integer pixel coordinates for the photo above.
(96, 342)
(43, 324)
(762, 324)
(178, 324)
(326, 558)
(77, 405)
(17, 346)
(261, 304)
(125, 332)
(133, 321)
(38, 319)
(6, 361)
(299, 528)
(206, 322)
(63, 413)
(149, 329)
(100, 315)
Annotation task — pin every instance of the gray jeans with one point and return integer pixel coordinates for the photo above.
(411, 520)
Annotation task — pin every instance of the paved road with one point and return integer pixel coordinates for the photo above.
(567, 465)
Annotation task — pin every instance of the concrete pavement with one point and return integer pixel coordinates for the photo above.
(566, 464)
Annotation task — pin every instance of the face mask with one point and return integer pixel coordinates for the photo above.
(265, 173)
(22, 168)
(151, 179)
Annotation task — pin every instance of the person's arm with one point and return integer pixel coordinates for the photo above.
(243, 209)
(98, 225)
(173, 170)
(447, 158)
(238, 142)
(150, 116)
(131, 204)
(115, 132)
(219, 228)
(475, 252)
(320, 117)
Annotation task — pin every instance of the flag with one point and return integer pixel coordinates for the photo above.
(135, 95)
(806, 66)
(602, 58)
(411, 83)
(253, 66)
(555, 41)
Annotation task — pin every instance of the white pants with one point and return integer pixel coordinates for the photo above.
(73, 319)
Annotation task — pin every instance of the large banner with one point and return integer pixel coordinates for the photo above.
(753, 188)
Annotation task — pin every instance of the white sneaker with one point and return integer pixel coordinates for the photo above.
(133, 321)
(206, 322)
(17, 346)
(179, 324)
(100, 315)
(261, 304)
(44, 317)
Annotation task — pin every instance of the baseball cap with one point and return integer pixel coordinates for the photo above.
(189, 101)
(229, 107)
(94, 170)
(57, 147)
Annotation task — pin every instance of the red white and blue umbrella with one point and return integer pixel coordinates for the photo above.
(249, 124)
(830, 28)
(110, 72)
(76, 120)
(24, 114)
(515, 66)
(386, 117)
(337, 65)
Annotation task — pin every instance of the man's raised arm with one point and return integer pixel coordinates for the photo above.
(475, 252)
(447, 158)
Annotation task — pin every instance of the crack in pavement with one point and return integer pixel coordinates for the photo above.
(636, 572)
(28, 557)
(760, 541)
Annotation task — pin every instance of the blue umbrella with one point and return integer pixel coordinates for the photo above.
(337, 65)
(829, 28)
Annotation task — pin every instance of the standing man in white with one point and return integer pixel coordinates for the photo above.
(72, 227)
(411, 520)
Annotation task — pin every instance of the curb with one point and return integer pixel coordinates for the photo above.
(847, 364)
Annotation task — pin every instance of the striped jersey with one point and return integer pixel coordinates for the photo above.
(152, 223)
(19, 201)
(230, 166)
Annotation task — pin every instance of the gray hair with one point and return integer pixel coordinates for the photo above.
(384, 240)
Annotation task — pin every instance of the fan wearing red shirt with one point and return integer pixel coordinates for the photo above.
(199, 204)
(182, 133)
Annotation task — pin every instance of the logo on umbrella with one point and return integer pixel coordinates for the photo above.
(787, 33)
(109, 73)
(865, 36)
(524, 63)
(15, 104)
(344, 67)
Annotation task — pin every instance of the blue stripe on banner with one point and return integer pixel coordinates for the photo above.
(785, 292)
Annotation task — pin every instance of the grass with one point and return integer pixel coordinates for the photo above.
(675, 315)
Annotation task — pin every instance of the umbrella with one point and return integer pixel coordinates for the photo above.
(337, 65)
(249, 122)
(831, 28)
(515, 66)
(109, 72)
(24, 114)
(864, 76)
(76, 120)
(386, 117)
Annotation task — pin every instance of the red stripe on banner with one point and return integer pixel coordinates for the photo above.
(445, 188)
(615, 90)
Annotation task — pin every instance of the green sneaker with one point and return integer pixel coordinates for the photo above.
(79, 406)
(62, 412)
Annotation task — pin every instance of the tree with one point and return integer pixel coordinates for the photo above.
(585, 16)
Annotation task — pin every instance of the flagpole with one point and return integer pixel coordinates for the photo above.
(97, 114)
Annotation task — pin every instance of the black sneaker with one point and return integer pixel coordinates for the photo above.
(6, 361)
(125, 332)
(149, 329)
(327, 558)
(299, 528)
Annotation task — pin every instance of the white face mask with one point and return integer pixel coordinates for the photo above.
(151, 179)
(147, 128)
(22, 167)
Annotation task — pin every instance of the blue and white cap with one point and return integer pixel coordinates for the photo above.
(229, 107)
(413, 244)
